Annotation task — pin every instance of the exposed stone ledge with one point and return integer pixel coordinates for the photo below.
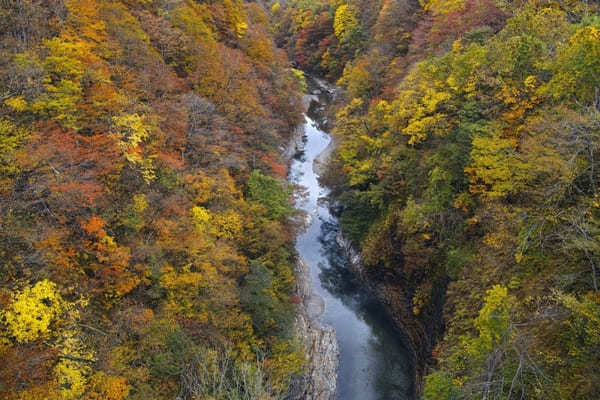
(294, 145)
(319, 382)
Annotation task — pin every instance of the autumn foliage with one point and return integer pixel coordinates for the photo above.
(128, 131)
(467, 174)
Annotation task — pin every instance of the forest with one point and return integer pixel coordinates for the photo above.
(467, 175)
(145, 244)
(147, 230)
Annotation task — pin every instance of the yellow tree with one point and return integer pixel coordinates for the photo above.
(39, 312)
(346, 24)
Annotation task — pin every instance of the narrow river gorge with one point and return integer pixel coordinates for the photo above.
(373, 363)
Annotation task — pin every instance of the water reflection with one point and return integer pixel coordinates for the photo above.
(392, 380)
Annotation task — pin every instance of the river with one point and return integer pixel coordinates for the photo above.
(374, 364)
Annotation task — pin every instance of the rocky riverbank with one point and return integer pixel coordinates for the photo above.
(319, 382)
(296, 143)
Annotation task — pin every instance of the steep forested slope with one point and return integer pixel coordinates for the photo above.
(468, 175)
(145, 250)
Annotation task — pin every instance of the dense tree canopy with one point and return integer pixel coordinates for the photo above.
(137, 245)
(146, 232)
(467, 175)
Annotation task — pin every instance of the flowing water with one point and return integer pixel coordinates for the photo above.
(374, 364)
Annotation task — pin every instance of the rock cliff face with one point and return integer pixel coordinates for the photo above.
(319, 382)
(395, 294)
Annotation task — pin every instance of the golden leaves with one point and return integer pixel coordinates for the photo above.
(133, 130)
(33, 310)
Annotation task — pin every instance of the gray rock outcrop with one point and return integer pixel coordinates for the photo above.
(319, 382)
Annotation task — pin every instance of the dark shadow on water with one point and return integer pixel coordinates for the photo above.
(340, 282)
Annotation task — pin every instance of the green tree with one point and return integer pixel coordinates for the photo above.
(270, 315)
(440, 387)
(576, 68)
(271, 193)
